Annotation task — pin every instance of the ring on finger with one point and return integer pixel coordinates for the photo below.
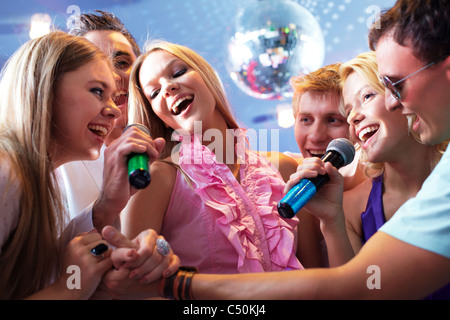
(99, 250)
(163, 247)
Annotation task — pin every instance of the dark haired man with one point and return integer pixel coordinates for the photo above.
(413, 55)
(83, 180)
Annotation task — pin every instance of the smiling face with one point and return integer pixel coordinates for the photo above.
(318, 121)
(177, 93)
(84, 112)
(426, 93)
(116, 46)
(379, 132)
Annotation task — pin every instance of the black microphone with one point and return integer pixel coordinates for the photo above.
(340, 152)
(138, 173)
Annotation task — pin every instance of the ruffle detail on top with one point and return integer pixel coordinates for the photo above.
(245, 213)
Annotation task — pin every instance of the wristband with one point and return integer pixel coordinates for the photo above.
(178, 285)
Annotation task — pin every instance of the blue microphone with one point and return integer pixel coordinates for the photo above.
(340, 152)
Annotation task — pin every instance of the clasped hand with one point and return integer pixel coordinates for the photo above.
(137, 265)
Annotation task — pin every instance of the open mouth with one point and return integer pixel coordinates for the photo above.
(367, 133)
(181, 104)
(121, 98)
(413, 122)
(317, 153)
(98, 130)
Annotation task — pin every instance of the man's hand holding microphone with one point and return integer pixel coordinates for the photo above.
(135, 143)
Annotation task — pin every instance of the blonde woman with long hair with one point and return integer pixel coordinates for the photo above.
(211, 197)
(56, 107)
(388, 145)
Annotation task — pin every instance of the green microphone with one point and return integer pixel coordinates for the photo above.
(138, 173)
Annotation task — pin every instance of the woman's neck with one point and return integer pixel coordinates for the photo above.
(222, 140)
(407, 174)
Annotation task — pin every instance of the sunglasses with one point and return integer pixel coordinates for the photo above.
(392, 86)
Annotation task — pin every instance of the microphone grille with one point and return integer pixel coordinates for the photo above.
(137, 125)
(344, 147)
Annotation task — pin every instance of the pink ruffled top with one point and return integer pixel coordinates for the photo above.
(223, 226)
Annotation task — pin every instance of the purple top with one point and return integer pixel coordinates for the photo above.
(373, 218)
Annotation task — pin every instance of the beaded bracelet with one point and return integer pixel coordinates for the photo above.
(178, 285)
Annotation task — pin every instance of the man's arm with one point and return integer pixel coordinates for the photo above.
(401, 270)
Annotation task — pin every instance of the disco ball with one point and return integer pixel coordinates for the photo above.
(270, 41)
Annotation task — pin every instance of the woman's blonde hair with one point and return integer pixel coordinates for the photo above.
(365, 65)
(140, 109)
(31, 256)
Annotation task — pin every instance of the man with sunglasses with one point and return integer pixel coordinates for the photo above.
(413, 55)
